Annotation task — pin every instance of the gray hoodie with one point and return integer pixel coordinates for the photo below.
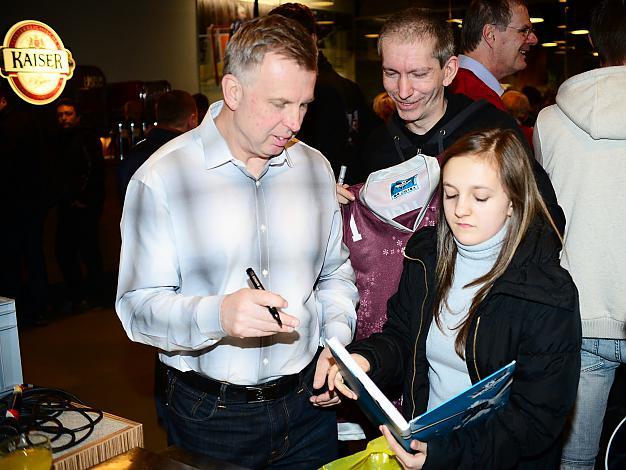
(581, 142)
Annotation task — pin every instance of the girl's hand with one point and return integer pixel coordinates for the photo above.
(407, 460)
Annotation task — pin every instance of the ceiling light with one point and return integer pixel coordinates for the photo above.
(549, 44)
(562, 26)
(325, 22)
(372, 36)
(562, 1)
(578, 32)
(455, 20)
(595, 54)
(322, 4)
(536, 20)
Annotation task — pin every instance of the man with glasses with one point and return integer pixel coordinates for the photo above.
(495, 38)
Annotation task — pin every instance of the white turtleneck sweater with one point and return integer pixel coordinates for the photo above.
(447, 372)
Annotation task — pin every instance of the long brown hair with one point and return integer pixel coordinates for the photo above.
(502, 148)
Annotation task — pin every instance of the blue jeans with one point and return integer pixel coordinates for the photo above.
(285, 433)
(599, 359)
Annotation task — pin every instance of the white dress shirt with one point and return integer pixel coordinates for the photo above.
(194, 219)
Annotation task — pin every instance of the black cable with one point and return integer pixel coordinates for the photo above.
(39, 410)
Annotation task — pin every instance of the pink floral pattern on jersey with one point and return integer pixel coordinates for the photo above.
(377, 258)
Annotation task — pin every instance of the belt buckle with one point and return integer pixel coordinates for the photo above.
(259, 394)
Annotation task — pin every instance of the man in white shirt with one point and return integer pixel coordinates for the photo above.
(238, 193)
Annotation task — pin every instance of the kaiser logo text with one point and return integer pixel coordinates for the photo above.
(35, 62)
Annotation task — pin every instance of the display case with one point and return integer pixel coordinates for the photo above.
(10, 361)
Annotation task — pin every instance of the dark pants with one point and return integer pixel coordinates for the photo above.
(160, 387)
(23, 275)
(76, 241)
(287, 432)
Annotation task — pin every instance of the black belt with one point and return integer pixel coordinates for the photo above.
(267, 391)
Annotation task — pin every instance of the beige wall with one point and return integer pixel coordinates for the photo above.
(127, 39)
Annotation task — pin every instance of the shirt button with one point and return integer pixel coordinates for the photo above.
(263, 228)
(265, 272)
(258, 183)
(265, 361)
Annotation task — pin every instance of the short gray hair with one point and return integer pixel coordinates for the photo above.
(273, 33)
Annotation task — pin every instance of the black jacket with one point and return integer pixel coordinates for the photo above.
(393, 143)
(339, 120)
(23, 168)
(80, 170)
(530, 315)
(380, 150)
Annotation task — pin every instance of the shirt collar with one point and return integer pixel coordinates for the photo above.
(481, 72)
(215, 148)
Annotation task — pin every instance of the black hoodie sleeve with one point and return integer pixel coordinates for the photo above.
(544, 387)
(549, 196)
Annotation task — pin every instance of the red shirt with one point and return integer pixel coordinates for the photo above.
(468, 84)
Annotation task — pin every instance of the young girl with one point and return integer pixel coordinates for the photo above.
(481, 289)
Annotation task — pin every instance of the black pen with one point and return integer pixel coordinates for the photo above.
(258, 286)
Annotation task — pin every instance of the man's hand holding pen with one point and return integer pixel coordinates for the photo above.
(244, 314)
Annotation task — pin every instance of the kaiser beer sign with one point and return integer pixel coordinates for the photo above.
(35, 62)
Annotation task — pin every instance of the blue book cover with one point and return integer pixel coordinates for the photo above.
(465, 409)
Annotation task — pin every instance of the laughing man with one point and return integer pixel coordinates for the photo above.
(495, 38)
